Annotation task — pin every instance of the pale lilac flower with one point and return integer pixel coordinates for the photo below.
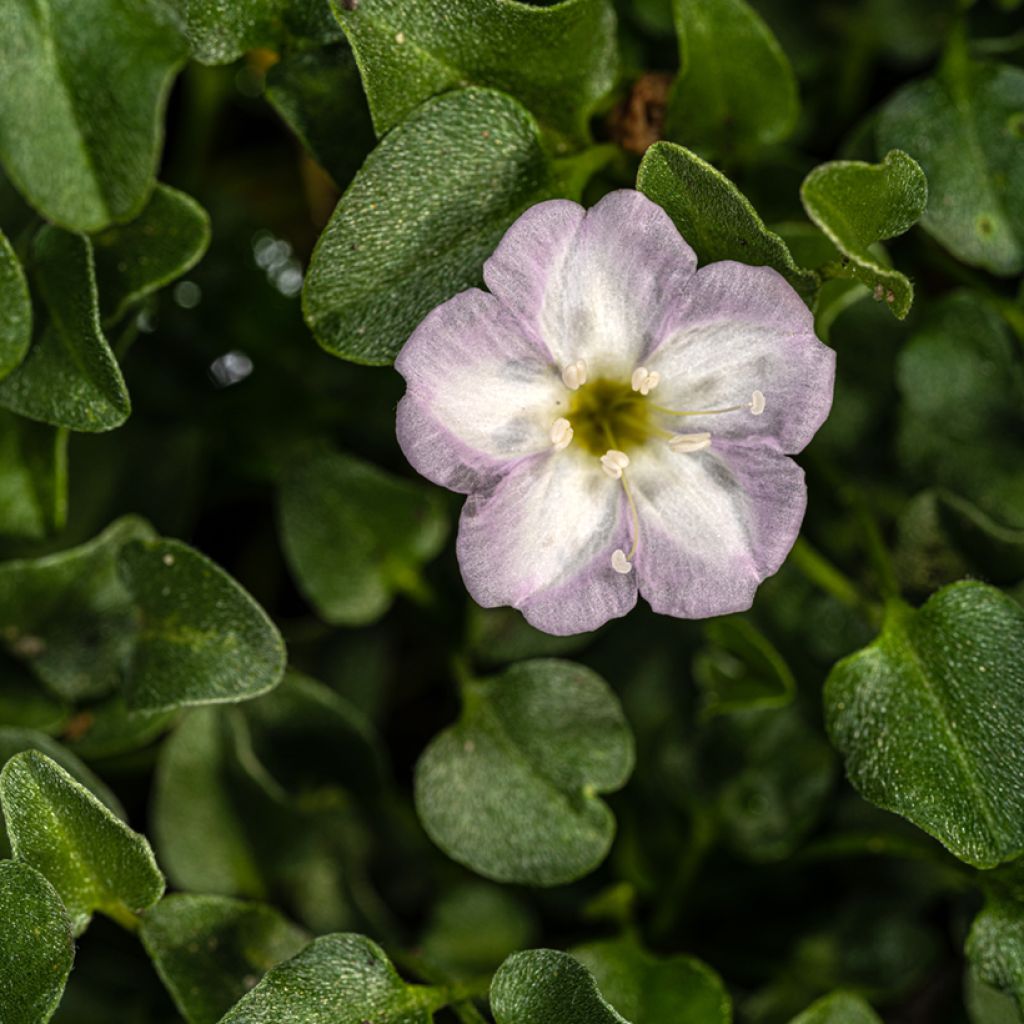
(618, 418)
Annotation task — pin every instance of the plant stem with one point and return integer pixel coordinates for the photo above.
(820, 571)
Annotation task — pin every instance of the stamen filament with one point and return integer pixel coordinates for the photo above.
(755, 406)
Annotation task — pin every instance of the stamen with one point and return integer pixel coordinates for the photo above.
(574, 376)
(561, 433)
(643, 380)
(755, 406)
(757, 403)
(620, 563)
(620, 560)
(613, 462)
(685, 444)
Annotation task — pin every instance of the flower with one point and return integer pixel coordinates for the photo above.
(619, 419)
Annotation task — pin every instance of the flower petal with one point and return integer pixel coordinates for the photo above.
(737, 329)
(481, 393)
(541, 540)
(593, 287)
(713, 524)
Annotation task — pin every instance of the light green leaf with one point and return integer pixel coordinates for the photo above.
(511, 790)
(15, 309)
(558, 60)
(354, 535)
(209, 950)
(417, 223)
(80, 132)
(202, 639)
(648, 989)
(90, 856)
(69, 617)
(545, 986)
(713, 215)
(165, 240)
(336, 979)
(33, 477)
(839, 1008)
(736, 90)
(964, 128)
(36, 947)
(930, 720)
(70, 377)
(858, 204)
(995, 947)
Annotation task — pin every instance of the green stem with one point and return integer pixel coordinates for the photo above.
(703, 832)
(820, 571)
(119, 913)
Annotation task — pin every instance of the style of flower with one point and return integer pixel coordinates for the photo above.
(619, 419)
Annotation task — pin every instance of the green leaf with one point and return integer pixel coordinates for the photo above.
(545, 986)
(15, 309)
(70, 377)
(963, 407)
(858, 204)
(964, 128)
(69, 617)
(930, 720)
(713, 215)
(511, 789)
(24, 704)
(354, 535)
(336, 979)
(90, 856)
(320, 97)
(36, 947)
(416, 224)
(648, 989)
(80, 132)
(559, 60)
(33, 477)
(736, 90)
(995, 947)
(987, 1004)
(209, 950)
(202, 638)
(165, 240)
(838, 1008)
(109, 729)
(501, 635)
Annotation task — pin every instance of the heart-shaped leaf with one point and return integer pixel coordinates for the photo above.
(15, 309)
(511, 790)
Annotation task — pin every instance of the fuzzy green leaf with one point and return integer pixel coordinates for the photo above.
(995, 947)
(36, 946)
(15, 309)
(558, 60)
(839, 1008)
(33, 477)
(511, 790)
(88, 854)
(81, 131)
(858, 204)
(930, 720)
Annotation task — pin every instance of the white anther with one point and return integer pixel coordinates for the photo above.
(620, 563)
(757, 403)
(643, 380)
(561, 433)
(613, 462)
(574, 375)
(684, 444)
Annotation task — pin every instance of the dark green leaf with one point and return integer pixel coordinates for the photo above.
(558, 60)
(995, 947)
(545, 986)
(164, 241)
(90, 856)
(202, 639)
(498, 636)
(24, 704)
(355, 535)
(36, 947)
(33, 477)
(109, 728)
(964, 129)
(736, 89)
(15, 309)
(839, 1008)
(930, 720)
(987, 1004)
(416, 224)
(511, 791)
(337, 979)
(210, 950)
(80, 132)
(70, 377)
(858, 204)
(713, 215)
(647, 989)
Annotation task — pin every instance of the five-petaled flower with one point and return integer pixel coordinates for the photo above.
(619, 419)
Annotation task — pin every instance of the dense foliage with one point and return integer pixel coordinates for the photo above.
(263, 760)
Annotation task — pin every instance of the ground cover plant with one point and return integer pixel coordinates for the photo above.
(511, 511)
